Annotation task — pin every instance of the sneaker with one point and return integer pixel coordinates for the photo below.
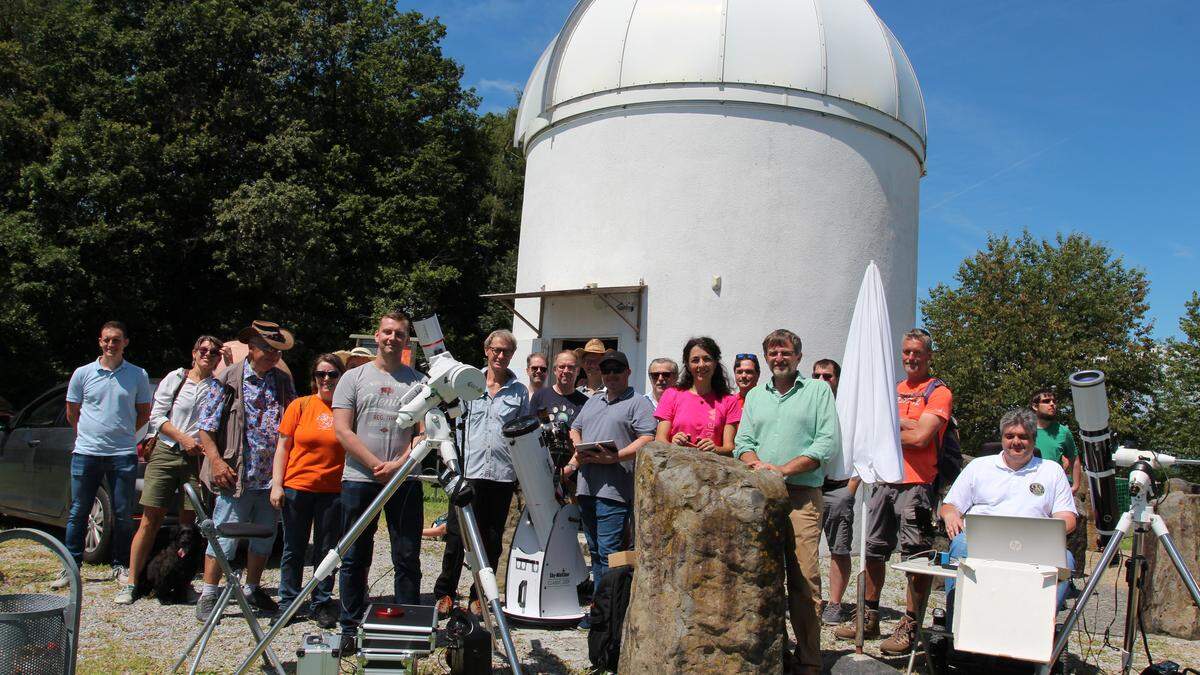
(444, 605)
(326, 614)
(61, 581)
(205, 606)
(120, 574)
(836, 613)
(262, 601)
(904, 636)
(348, 646)
(848, 631)
(126, 595)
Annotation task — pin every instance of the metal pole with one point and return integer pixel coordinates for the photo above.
(1132, 598)
(334, 557)
(1110, 551)
(861, 583)
(486, 582)
(1180, 567)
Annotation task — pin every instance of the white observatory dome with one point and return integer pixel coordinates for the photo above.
(835, 57)
(715, 167)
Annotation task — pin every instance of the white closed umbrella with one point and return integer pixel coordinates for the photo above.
(866, 405)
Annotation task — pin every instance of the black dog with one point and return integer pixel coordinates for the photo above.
(170, 572)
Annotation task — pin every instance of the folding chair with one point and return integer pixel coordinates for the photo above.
(233, 583)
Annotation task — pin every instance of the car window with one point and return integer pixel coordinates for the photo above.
(46, 414)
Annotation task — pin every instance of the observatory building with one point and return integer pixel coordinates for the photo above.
(719, 167)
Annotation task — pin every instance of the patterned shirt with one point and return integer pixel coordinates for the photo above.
(261, 398)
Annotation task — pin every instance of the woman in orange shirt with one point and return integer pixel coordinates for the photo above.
(305, 485)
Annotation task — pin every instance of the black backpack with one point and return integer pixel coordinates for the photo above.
(949, 450)
(608, 618)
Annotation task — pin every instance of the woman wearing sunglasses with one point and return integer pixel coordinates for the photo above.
(700, 411)
(306, 482)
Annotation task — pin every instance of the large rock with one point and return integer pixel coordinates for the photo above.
(708, 593)
(1168, 605)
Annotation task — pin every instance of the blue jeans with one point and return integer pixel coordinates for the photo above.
(958, 550)
(405, 513)
(604, 527)
(303, 512)
(87, 473)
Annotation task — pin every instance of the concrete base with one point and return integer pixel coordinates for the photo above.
(861, 664)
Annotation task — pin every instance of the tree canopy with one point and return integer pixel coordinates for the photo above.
(186, 167)
(1178, 419)
(1027, 313)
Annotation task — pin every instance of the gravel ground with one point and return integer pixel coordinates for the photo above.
(146, 636)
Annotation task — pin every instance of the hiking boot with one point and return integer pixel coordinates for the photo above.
(61, 581)
(261, 601)
(126, 595)
(205, 606)
(444, 605)
(904, 636)
(326, 614)
(836, 613)
(348, 646)
(848, 631)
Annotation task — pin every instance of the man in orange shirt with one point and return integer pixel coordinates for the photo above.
(902, 513)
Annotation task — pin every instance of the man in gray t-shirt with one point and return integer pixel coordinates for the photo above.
(374, 396)
(364, 419)
(605, 490)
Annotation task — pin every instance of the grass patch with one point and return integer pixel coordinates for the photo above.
(118, 657)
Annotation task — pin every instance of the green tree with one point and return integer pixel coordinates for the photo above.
(1178, 419)
(187, 167)
(1026, 313)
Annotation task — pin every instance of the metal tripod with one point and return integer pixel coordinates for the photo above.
(440, 437)
(1142, 519)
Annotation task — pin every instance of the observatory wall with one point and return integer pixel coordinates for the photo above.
(786, 206)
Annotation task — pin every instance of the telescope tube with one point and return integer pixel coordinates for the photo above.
(1091, 411)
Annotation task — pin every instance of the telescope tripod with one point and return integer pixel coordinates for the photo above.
(439, 437)
(1141, 519)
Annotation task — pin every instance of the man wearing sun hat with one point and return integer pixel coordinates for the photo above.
(589, 360)
(252, 394)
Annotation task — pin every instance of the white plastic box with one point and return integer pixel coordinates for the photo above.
(1005, 609)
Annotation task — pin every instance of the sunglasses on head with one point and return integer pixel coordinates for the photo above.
(752, 357)
(327, 375)
(922, 331)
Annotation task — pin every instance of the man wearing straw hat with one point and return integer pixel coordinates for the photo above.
(249, 397)
(589, 360)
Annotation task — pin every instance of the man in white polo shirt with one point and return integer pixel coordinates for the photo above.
(1012, 483)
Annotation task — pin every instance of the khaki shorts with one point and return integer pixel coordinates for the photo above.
(169, 468)
(899, 514)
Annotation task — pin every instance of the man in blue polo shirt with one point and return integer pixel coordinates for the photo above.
(108, 400)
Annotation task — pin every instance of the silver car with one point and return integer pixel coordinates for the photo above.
(35, 473)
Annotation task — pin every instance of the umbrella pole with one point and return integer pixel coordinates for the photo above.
(860, 584)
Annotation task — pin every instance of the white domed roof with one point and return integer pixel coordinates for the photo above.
(834, 57)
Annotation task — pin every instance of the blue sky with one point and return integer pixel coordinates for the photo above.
(1058, 116)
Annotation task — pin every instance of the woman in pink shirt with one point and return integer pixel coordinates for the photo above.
(700, 412)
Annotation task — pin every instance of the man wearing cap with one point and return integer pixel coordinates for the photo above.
(249, 397)
(605, 484)
(487, 465)
(589, 359)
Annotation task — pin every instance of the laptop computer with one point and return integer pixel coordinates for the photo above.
(1038, 541)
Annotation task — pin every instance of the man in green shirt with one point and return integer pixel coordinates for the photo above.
(1056, 443)
(790, 426)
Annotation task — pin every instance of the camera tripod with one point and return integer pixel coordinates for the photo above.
(439, 436)
(1141, 519)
